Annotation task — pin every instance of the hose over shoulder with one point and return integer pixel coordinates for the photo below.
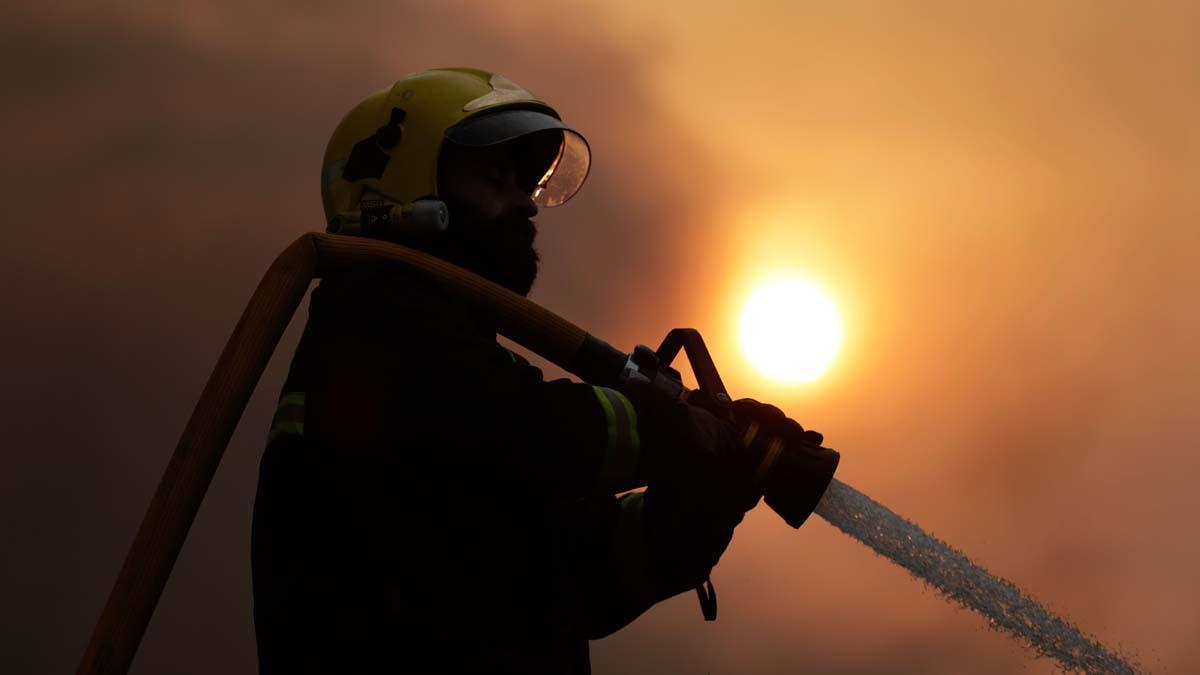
(516, 317)
(140, 583)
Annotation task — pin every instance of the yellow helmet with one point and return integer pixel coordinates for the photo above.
(383, 155)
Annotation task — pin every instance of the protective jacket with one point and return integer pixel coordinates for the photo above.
(427, 502)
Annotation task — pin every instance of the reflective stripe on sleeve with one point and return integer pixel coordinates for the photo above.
(289, 416)
(622, 445)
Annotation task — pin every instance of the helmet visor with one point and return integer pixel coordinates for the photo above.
(566, 173)
(562, 170)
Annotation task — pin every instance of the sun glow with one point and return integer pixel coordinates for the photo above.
(790, 330)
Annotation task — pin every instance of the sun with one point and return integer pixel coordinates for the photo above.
(790, 330)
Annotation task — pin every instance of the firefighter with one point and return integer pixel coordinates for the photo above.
(427, 502)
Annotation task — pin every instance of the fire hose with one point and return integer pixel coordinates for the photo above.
(159, 540)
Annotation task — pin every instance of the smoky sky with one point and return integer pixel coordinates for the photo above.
(1004, 202)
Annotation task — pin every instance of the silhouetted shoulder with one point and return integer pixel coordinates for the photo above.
(383, 297)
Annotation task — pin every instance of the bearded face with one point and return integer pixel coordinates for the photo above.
(488, 191)
(495, 243)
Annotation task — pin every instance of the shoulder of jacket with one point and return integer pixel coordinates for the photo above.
(382, 286)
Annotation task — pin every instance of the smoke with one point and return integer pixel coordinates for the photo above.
(1001, 199)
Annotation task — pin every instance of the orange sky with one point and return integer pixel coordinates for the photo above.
(1001, 201)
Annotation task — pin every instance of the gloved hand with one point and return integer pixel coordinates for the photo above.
(787, 460)
(699, 486)
(689, 447)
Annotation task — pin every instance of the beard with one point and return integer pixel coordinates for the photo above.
(500, 250)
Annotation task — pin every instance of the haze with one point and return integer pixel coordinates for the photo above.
(1001, 196)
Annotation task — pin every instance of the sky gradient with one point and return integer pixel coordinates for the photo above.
(1003, 202)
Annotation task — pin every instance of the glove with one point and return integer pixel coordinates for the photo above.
(698, 486)
(693, 450)
(788, 462)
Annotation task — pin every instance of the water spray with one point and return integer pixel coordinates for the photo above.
(952, 574)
